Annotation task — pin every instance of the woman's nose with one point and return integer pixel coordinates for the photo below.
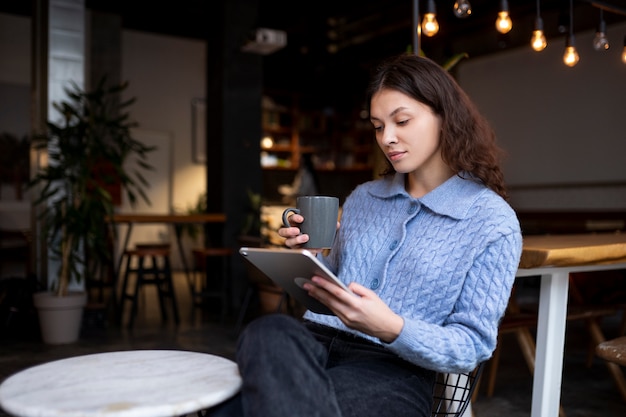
(389, 137)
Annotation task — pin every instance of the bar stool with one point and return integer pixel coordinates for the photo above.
(212, 271)
(158, 273)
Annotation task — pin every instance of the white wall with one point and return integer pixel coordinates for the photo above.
(561, 127)
(165, 74)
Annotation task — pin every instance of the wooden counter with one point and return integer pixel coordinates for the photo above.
(576, 249)
(170, 218)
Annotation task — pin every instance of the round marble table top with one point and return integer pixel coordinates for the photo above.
(137, 383)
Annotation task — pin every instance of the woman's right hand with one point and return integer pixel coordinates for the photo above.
(293, 237)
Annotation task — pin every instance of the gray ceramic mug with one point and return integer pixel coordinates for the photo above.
(320, 219)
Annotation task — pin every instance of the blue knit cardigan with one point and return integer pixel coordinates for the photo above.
(445, 262)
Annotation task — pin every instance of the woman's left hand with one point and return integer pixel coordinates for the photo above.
(366, 312)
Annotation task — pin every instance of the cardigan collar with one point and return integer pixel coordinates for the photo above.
(453, 198)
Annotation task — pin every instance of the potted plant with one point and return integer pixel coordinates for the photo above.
(87, 151)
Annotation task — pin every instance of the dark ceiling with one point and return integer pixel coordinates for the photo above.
(364, 31)
(368, 31)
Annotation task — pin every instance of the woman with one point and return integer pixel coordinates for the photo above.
(430, 250)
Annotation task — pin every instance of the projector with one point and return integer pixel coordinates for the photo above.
(264, 41)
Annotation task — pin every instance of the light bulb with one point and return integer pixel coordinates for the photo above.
(503, 22)
(267, 142)
(600, 41)
(624, 51)
(538, 40)
(430, 24)
(462, 9)
(570, 57)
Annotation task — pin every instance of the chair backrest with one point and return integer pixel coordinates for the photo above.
(453, 392)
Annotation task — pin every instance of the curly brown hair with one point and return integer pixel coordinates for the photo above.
(468, 142)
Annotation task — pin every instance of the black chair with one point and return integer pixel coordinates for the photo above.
(453, 392)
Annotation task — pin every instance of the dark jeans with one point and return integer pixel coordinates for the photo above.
(302, 370)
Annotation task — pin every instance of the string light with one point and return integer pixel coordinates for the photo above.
(503, 22)
(600, 41)
(570, 57)
(462, 9)
(538, 41)
(430, 26)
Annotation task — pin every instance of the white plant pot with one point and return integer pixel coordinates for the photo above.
(60, 317)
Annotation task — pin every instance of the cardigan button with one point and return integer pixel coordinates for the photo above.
(374, 284)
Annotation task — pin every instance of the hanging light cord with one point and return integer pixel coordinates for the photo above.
(571, 18)
(538, 5)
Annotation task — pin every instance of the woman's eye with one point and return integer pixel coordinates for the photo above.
(403, 122)
(378, 128)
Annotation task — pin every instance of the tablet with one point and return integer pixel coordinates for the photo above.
(290, 269)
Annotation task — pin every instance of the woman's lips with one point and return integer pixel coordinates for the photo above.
(394, 156)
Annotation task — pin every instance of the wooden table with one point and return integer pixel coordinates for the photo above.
(131, 219)
(554, 257)
(136, 383)
(567, 250)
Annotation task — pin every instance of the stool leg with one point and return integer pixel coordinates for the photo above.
(114, 301)
(167, 270)
(135, 296)
(158, 281)
(124, 290)
(198, 287)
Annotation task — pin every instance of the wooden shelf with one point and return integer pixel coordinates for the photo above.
(280, 148)
(339, 142)
(277, 129)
